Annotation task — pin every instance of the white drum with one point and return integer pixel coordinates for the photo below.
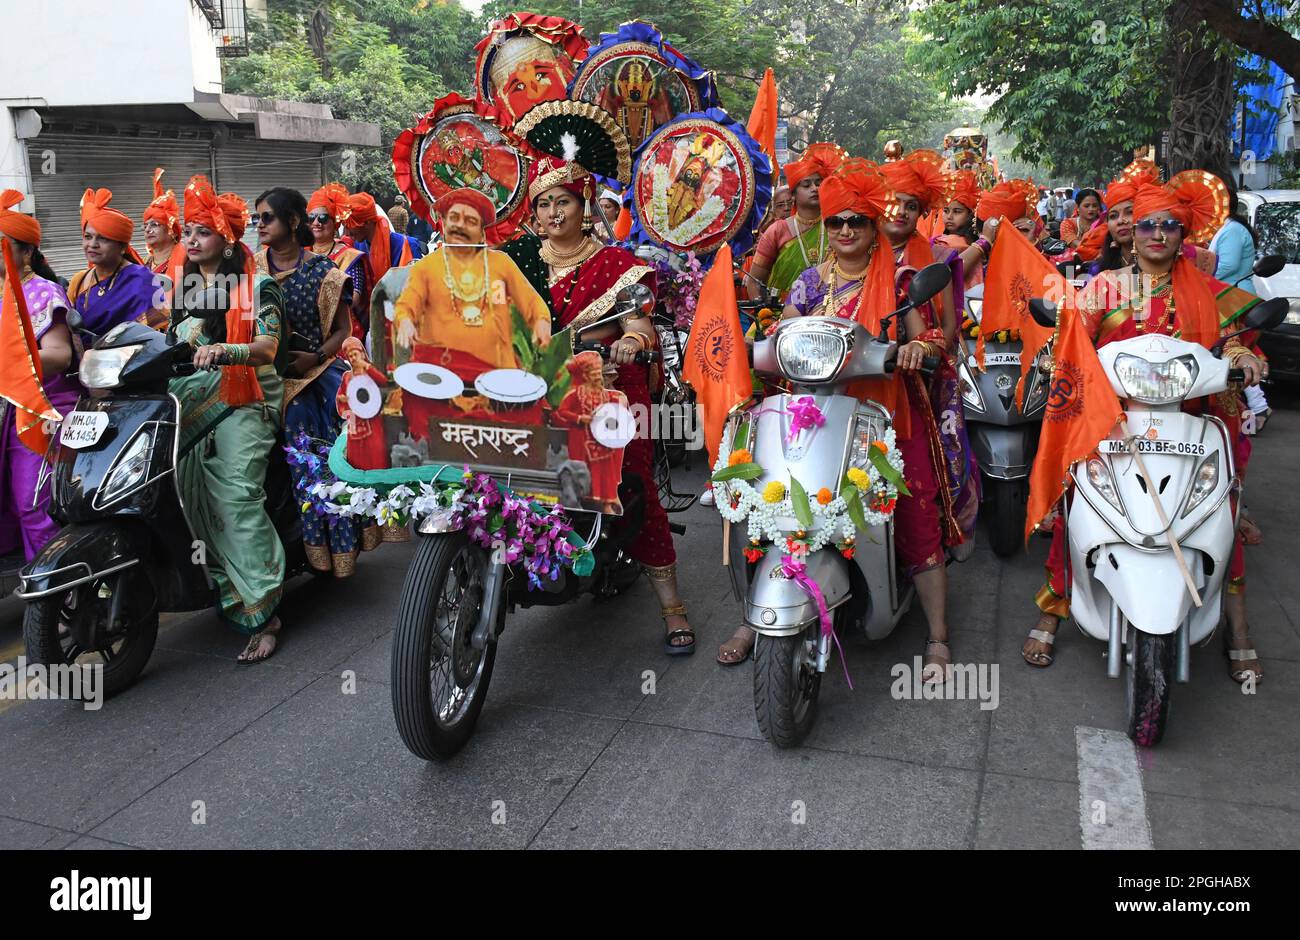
(510, 390)
(613, 425)
(425, 380)
(365, 398)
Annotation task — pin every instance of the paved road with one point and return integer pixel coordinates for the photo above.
(571, 753)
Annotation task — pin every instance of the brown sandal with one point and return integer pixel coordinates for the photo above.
(738, 655)
(270, 631)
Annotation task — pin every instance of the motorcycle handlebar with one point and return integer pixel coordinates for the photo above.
(645, 357)
(1236, 375)
(748, 306)
(928, 364)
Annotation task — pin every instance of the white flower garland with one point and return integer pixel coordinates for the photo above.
(829, 520)
(689, 230)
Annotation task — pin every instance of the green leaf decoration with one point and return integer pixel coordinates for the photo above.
(741, 440)
(522, 340)
(799, 501)
(741, 471)
(888, 471)
(853, 501)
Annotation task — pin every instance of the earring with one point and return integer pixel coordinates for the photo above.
(229, 252)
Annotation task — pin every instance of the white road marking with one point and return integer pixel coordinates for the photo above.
(1112, 804)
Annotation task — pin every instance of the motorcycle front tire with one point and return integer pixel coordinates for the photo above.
(41, 633)
(1149, 683)
(786, 685)
(1005, 505)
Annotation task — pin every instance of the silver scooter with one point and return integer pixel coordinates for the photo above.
(819, 357)
(1004, 437)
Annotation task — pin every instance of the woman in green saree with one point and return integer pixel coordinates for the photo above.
(230, 412)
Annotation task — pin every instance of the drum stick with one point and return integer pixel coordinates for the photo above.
(1160, 512)
(726, 543)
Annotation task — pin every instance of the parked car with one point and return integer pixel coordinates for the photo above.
(1274, 214)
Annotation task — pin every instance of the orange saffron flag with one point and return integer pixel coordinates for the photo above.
(623, 225)
(20, 364)
(762, 120)
(717, 363)
(1082, 408)
(1016, 272)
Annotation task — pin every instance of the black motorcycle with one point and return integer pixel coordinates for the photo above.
(126, 551)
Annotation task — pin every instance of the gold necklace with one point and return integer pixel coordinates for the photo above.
(557, 258)
(105, 288)
(464, 291)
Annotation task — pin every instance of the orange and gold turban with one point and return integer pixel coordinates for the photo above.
(227, 214)
(822, 159)
(1197, 198)
(334, 198)
(112, 224)
(1124, 187)
(857, 185)
(963, 187)
(164, 207)
(918, 174)
(1014, 199)
(17, 225)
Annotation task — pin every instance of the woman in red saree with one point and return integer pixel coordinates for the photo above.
(860, 282)
(1165, 292)
(584, 277)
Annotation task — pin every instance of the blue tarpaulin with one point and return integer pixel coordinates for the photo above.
(1263, 104)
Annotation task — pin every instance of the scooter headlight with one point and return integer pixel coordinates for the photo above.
(1156, 383)
(129, 470)
(102, 368)
(1100, 478)
(1204, 483)
(811, 354)
(970, 393)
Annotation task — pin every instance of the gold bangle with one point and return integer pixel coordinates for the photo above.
(642, 340)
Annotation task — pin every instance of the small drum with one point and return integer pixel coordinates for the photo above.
(425, 380)
(364, 396)
(613, 425)
(510, 390)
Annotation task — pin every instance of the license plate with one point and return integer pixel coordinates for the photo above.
(1001, 359)
(1156, 446)
(83, 429)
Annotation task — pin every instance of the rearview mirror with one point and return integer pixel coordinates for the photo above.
(928, 282)
(635, 300)
(1269, 265)
(1267, 315)
(1043, 311)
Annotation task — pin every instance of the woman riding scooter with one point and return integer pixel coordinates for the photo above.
(1164, 292)
(230, 412)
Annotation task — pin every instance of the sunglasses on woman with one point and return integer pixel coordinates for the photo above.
(855, 222)
(266, 218)
(1147, 227)
(318, 218)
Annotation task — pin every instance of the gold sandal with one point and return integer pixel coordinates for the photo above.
(660, 575)
(255, 641)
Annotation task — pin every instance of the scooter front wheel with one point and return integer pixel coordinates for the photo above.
(1150, 681)
(50, 640)
(1006, 504)
(786, 685)
(439, 681)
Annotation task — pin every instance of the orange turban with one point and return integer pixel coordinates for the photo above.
(227, 214)
(164, 207)
(1014, 199)
(822, 159)
(1196, 198)
(16, 225)
(1124, 187)
(113, 225)
(364, 211)
(856, 185)
(919, 174)
(964, 188)
(363, 208)
(334, 199)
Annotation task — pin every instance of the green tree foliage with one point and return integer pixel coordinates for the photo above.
(1078, 84)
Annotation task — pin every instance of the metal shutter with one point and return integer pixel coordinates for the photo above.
(250, 167)
(123, 162)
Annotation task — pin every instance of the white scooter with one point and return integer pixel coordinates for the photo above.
(1166, 483)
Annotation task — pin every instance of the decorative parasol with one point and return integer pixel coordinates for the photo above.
(454, 147)
(698, 182)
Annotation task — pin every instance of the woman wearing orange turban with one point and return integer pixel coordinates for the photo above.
(1164, 292)
(860, 282)
(230, 411)
(959, 226)
(25, 526)
(787, 248)
(327, 209)
(162, 229)
(117, 286)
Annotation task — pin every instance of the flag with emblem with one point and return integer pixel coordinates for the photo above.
(20, 364)
(1082, 408)
(717, 363)
(1017, 271)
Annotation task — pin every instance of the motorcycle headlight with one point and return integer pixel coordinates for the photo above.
(811, 355)
(1100, 478)
(1156, 383)
(1203, 484)
(975, 308)
(1293, 312)
(970, 393)
(129, 470)
(102, 368)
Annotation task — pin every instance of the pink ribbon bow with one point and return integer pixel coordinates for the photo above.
(804, 413)
(797, 571)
